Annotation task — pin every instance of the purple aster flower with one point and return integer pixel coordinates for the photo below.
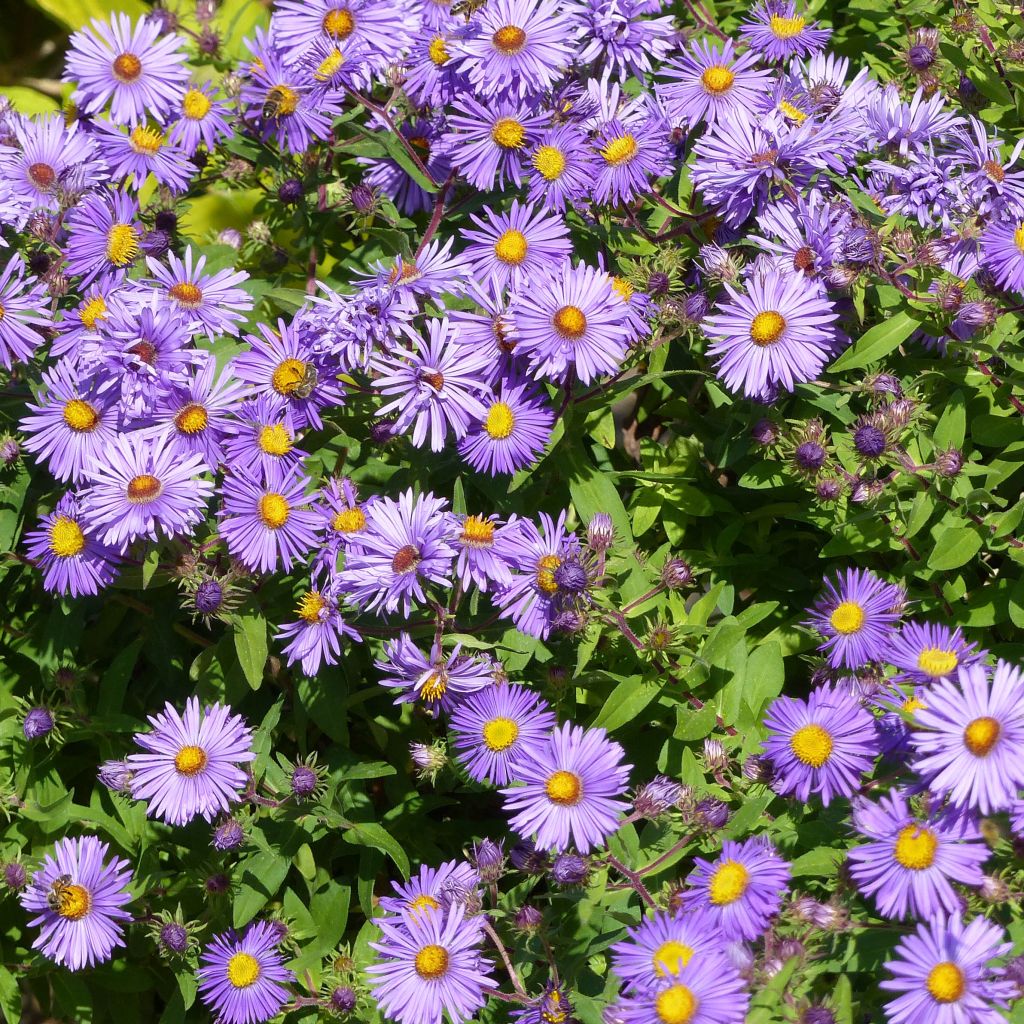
(37, 722)
(742, 889)
(495, 727)
(857, 614)
(431, 272)
(137, 487)
(430, 964)
(23, 309)
(78, 897)
(432, 78)
(909, 127)
(204, 119)
(822, 745)
(562, 167)
(263, 440)
(485, 545)
(911, 861)
(942, 974)
(266, 522)
(969, 740)
(80, 327)
(622, 42)
(710, 83)
(242, 978)
(927, 651)
(513, 432)
(316, 636)
(777, 32)
(708, 991)
(393, 180)
(780, 332)
(572, 792)
(991, 182)
(104, 235)
(437, 385)
(630, 155)
(489, 329)
(135, 68)
(1002, 253)
(135, 153)
(192, 762)
(228, 835)
(513, 247)
(805, 235)
(73, 561)
(343, 519)
(432, 888)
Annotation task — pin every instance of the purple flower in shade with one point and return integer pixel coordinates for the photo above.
(572, 320)
(780, 332)
(133, 67)
(561, 167)
(909, 127)
(263, 441)
(517, 47)
(628, 156)
(513, 247)
(572, 792)
(969, 741)
(241, 977)
(203, 119)
(38, 722)
(283, 363)
(316, 636)
(104, 235)
(942, 975)
(822, 745)
(708, 991)
(23, 309)
(431, 888)
(116, 776)
(228, 835)
(777, 32)
(487, 329)
(805, 236)
(742, 889)
(135, 153)
(389, 177)
(857, 614)
(1002, 253)
(927, 651)
(72, 560)
(191, 764)
(437, 385)
(710, 83)
(488, 142)
(78, 897)
(266, 521)
(404, 546)
(911, 860)
(496, 726)
(663, 945)
(439, 682)
(430, 964)
(211, 300)
(485, 546)
(569, 869)
(513, 432)
(304, 781)
(140, 488)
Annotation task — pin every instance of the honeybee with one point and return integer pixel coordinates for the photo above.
(57, 889)
(307, 382)
(274, 101)
(468, 7)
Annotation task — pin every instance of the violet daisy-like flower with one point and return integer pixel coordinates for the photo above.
(78, 898)
(742, 889)
(514, 246)
(562, 167)
(242, 978)
(806, 235)
(909, 127)
(432, 272)
(572, 791)
(629, 155)
(132, 154)
(708, 991)
(73, 561)
(927, 651)
(495, 727)
(780, 332)
(430, 965)
(911, 860)
(263, 441)
(133, 66)
(191, 764)
(432, 78)
(1002, 253)
(104, 235)
(857, 613)
(572, 320)
(316, 636)
(433, 888)
(488, 329)
(942, 974)
(137, 487)
(342, 520)
(623, 42)
(393, 180)
(822, 745)
(969, 741)
(777, 32)
(266, 521)
(485, 545)
(404, 546)
(203, 119)
(23, 310)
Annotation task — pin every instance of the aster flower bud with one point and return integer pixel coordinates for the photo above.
(757, 769)
(765, 432)
(809, 456)
(290, 191)
(174, 938)
(1014, 971)
(994, 890)
(658, 283)
(661, 638)
(39, 262)
(209, 41)
(217, 883)
(949, 462)
(208, 597)
(869, 439)
(10, 451)
(527, 919)
(526, 857)
(817, 1015)
(429, 759)
(899, 413)
(710, 813)
(676, 573)
(657, 796)
(966, 89)
(382, 431)
(920, 57)
(571, 576)
(343, 999)
(362, 197)
(949, 297)
(718, 264)
(489, 860)
(600, 532)
(231, 237)
(232, 84)
(568, 621)
(228, 835)
(828, 488)
(259, 233)
(15, 875)
(696, 307)
(38, 722)
(715, 757)
(116, 776)
(303, 781)
(570, 869)
(166, 220)
(840, 275)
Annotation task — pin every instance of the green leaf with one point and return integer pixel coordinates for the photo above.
(74, 14)
(593, 492)
(251, 646)
(369, 833)
(876, 343)
(625, 702)
(29, 101)
(955, 547)
(261, 876)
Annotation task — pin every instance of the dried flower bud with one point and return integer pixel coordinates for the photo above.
(994, 890)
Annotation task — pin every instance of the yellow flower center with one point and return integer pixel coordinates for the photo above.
(728, 883)
(243, 970)
(570, 322)
(146, 141)
(330, 65)
(811, 745)
(766, 328)
(511, 247)
(424, 902)
(193, 419)
(95, 309)
(339, 23)
(275, 439)
(73, 902)
(546, 573)
(500, 421)
(717, 80)
(432, 962)
(144, 489)
(912, 704)
(80, 416)
(186, 294)
(122, 244)
(190, 761)
(550, 162)
(793, 113)
(676, 1005)
(349, 520)
(406, 559)
(288, 376)
(934, 661)
(982, 735)
(623, 288)
(1018, 237)
(196, 105)
(509, 39)
(786, 28)
(564, 788)
(126, 67)
(671, 957)
(282, 100)
(435, 687)
(620, 150)
(915, 847)
(946, 982)
(310, 607)
(500, 734)
(847, 618)
(66, 537)
(508, 133)
(274, 510)
(439, 51)
(477, 532)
